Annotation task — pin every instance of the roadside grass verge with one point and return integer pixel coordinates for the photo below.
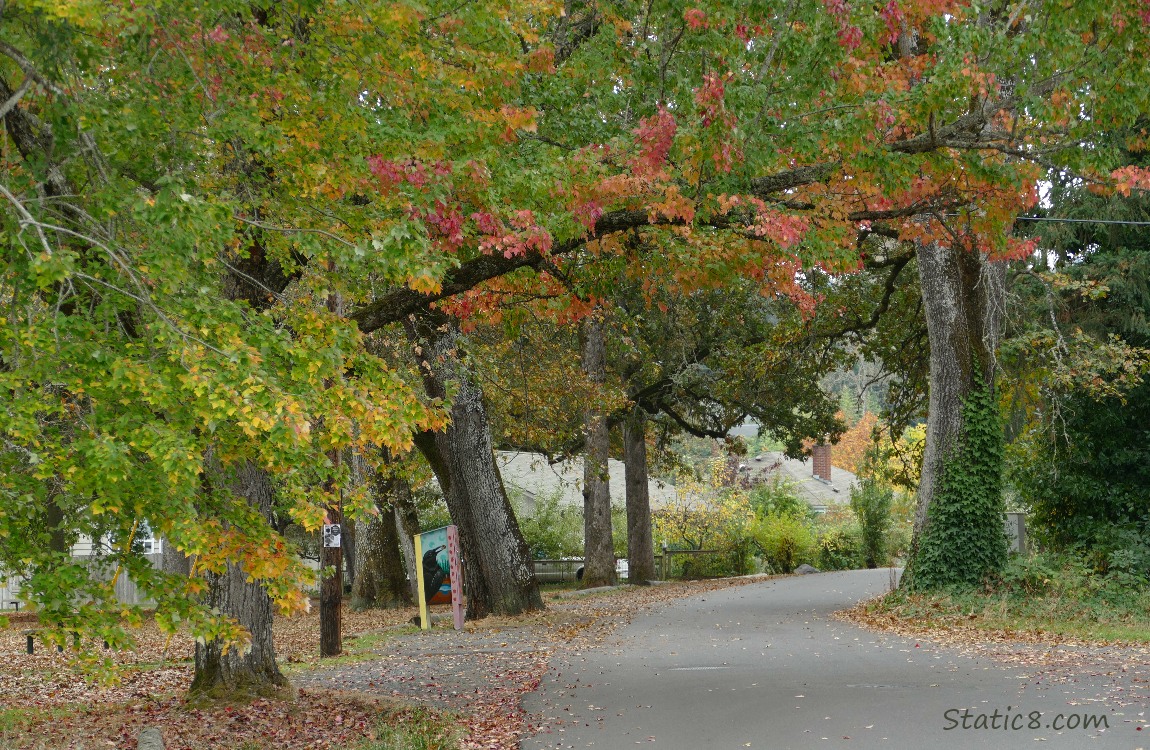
(1037, 598)
(315, 719)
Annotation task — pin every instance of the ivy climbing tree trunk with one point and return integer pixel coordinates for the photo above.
(497, 575)
(640, 545)
(381, 580)
(231, 672)
(958, 531)
(598, 546)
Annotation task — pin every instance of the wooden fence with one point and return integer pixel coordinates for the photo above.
(126, 590)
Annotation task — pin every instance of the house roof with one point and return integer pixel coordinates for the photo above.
(532, 476)
(799, 473)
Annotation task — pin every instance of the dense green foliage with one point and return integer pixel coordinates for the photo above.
(964, 542)
(1083, 472)
(552, 530)
(777, 497)
(1092, 491)
(871, 503)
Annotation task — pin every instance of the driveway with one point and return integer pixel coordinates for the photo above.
(766, 666)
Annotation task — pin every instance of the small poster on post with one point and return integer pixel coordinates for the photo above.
(331, 535)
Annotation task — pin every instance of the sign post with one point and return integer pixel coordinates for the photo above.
(456, 577)
(439, 573)
(331, 588)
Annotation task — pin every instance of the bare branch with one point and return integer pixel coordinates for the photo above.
(29, 69)
(13, 100)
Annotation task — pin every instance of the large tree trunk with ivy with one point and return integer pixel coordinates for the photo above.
(958, 530)
(640, 545)
(234, 671)
(498, 577)
(381, 581)
(598, 546)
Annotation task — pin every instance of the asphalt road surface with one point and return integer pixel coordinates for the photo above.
(765, 666)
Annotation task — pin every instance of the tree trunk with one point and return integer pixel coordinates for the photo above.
(331, 558)
(640, 546)
(963, 298)
(58, 537)
(348, 541)
(381, 581)
(240, 672)
(497, 574)
(598, 546)
(407, 524)
(174, 561)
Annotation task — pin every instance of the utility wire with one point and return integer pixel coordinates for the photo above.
(1057, 220)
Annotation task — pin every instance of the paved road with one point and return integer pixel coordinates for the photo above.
(764, 666)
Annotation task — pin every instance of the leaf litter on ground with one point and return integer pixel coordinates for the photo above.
(1119, 671)
(474, 678)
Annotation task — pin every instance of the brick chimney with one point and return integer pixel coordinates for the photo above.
(821, 461)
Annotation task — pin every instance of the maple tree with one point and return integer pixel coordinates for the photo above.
(161, 193)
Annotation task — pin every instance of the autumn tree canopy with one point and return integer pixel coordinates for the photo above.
(186, 185)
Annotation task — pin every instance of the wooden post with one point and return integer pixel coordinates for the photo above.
(331, 595)
(331, 589)
(456, 576)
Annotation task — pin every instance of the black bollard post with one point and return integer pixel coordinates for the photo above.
(31, 646)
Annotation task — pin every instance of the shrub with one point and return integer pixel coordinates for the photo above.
(841, 548)
(704, 514)
(787, 541)
(618, 528)
(871, 504)
(551, 529)
(898, 539)
(778, 497)
(735, 561)
(1033, 575)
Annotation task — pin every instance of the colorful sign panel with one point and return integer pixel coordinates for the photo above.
(440, 573)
